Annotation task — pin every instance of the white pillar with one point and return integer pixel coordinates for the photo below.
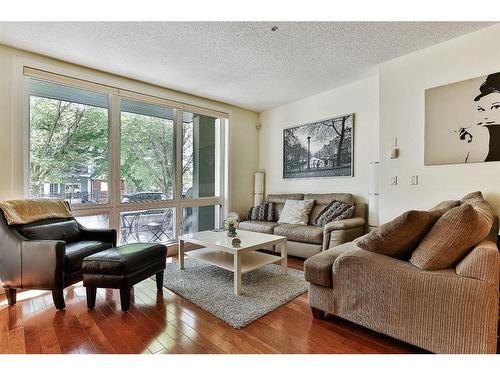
(259, 189)
(373, 195)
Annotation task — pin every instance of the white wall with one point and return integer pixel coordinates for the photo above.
(402, 84)
(243, 138)
(360, 98)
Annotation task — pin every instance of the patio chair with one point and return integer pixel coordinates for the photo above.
(164, 227)
(129, 223)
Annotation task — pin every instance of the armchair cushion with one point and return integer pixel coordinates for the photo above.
(300, 233)
(453, 236)
(77, 251)
(399, 237)
(67, 231)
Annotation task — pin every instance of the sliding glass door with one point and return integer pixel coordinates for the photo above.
(132, 162)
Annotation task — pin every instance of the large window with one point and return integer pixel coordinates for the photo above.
(147, 152)
(68, 143)
(132, 162)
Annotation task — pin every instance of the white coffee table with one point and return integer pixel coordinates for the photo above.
(220, 252)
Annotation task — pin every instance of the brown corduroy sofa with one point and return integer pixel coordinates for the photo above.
(452, 310)
(305, 241)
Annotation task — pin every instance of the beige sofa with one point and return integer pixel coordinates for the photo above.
(307, 240)
(451, 310)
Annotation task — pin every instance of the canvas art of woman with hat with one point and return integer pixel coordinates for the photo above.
(488, 110)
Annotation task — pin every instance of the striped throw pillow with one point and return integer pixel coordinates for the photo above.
(264, 212)
(334, 211)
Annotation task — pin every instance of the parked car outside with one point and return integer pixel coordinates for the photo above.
(145, 196)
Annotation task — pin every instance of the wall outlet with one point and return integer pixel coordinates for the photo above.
(414, 180)
(394, 180)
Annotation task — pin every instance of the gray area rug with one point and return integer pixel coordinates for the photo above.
(211, 288)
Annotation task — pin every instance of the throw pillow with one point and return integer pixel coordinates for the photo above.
(399, 237)
(443, 207)
(454, 235)
(334, 211)
(472, 196)
(296, 212)
(264, 212)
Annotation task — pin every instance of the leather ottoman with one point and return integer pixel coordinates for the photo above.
(121, 268)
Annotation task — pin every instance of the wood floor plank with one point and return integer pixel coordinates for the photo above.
(32, 342)
(63, 333)
(116, 341)
(161, 322)
(16, 341)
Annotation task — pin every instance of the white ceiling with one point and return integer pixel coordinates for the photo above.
(241, 63)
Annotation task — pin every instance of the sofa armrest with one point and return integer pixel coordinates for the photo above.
(318, 268)
(103, 235)
(353, 222)
(343, 231)
(43, 264)
(482, 263)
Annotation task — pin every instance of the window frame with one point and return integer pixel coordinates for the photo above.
(114, 207)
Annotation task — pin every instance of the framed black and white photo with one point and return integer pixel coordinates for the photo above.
(462, 121)
(319, 149)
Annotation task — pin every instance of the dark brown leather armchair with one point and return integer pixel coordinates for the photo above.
(47, 255)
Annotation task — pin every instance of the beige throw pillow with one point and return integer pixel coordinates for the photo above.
(454, 235)
(296, 212)
(399, 237)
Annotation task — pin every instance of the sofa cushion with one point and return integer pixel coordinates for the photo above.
(258, 226)
(399, 237)
(77, 251)
(264, 212)
(296, 212)
(68, 231)
(453, 236)
(336, 210)
(300, 233)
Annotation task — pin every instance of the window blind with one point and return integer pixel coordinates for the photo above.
(146, 109)
(65, 93)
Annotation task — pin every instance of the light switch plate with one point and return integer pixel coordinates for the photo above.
(394, 180)
(414, 180)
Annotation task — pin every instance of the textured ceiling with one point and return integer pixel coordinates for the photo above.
(241, 63)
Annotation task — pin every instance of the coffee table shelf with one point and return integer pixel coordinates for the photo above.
(249, 261)
(238, 259)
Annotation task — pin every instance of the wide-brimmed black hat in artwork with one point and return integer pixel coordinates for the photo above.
(492, 84)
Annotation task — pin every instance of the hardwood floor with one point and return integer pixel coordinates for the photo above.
(166, 323)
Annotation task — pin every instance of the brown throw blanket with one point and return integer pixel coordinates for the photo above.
(24, 211)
